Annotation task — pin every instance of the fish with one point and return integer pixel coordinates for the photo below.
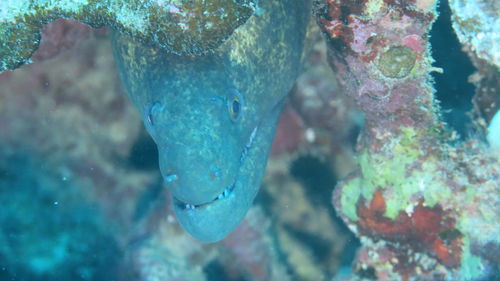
(213, 116)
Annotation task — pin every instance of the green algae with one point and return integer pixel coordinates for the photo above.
(349, 198)
(177, 26)
(392, 173)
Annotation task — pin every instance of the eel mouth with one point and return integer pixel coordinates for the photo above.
(228, 191)
(224, 194)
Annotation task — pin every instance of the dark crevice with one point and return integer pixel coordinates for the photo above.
(321, 247)
(144, 154)
(316, 176)
(214, 271)
(454, 92)
(265, 200)
(148, 199)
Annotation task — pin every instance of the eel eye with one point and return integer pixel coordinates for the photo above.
(234, 108)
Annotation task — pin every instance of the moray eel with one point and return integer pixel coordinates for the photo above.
(213, 117)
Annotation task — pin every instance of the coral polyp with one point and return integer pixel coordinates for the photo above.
(397, 62)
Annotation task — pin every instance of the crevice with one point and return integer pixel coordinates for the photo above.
(454, 92)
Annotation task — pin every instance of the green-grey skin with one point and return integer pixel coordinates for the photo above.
(213, 158)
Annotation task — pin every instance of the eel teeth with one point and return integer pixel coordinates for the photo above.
(171, 178)
(189, 207)
(224, 194)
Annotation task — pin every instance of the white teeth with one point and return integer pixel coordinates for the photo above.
(224, 194)
(171, 178)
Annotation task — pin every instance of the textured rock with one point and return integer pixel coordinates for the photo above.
(417, 192)
(181, 27)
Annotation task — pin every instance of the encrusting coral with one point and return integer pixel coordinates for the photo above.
(181, 27)
(418, 200)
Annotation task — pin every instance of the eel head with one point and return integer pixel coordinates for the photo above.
(213, 116)
(213, 143)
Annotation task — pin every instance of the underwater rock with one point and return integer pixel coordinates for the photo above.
(61, 35)
(169, 254)
(181, 27)
(476, 23)
(78, 119)
(417, 194)
(70, 114)
(251, 249)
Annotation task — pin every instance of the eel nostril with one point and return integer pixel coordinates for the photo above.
(171, 178)
(215, 172)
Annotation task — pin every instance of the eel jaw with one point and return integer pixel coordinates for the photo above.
(224, 194)
(212, 222)
(230, 188)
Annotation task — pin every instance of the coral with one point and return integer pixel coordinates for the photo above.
(486, 101)
(75, 112)
(251, 247)
(417, 192)
(70, 115)
(397, 62)
(311, 149)
(61, 35)
(170, 255)
(182, 27)
(476, 24)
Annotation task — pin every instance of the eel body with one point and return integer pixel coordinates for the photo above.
(213, 117)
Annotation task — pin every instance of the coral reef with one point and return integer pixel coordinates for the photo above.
(76, 165)
(82, 127)
(182, 27)
(419, 201)
(476, 24)
(71, 129)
